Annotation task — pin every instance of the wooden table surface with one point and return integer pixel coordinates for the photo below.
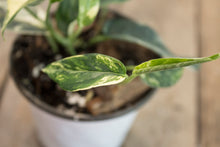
(185, 115)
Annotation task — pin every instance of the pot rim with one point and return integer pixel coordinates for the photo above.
(35, 100)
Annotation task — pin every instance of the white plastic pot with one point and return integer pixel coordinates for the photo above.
(56, 129)
(60, 132)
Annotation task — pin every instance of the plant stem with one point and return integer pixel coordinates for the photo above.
(129, 79)
(130, 67)
(52, 43)
(97, 39)
(101, 21)
(74, 35)
(51, 38)
(48, 14)
(48, 35)
(70, 48)
(34, 15)
(55, 36)
(133, 76)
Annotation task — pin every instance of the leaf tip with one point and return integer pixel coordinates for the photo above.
(216, 56)
(44, 70)
(3, 31)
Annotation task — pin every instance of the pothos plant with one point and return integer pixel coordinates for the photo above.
(80, 72)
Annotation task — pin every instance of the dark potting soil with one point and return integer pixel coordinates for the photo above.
(32, 53)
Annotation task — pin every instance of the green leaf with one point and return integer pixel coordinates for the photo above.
(14, 6)
(107, 2)
(88, 9)
(169, 63)
(162, 78)
(67, 12)
(53, 1)
(128, 30)
(86, 71)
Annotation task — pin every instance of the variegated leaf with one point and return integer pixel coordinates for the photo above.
(169, 63)
(88, 9)
(86, 71)
(164, 78)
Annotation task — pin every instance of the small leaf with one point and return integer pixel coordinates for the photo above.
(169, 63)
(128, 30)
(162, 78)
(107, 2)
(14, 6)
(86, 71)
(88, 9)
(67, 12)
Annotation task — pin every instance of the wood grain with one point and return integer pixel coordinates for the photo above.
(16, 125)
(5, 47)
(169, 119)
(210, 74)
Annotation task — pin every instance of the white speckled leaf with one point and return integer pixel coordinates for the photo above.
(86, 71)
(169, 63)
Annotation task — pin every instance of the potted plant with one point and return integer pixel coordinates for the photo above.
(77, 47)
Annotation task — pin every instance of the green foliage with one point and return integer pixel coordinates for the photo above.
(72, 17)
(170, 63)
(93, 70)
(164, 78)
(53, 1)
(86, 71)
(88, 9)
(121, 28)
(66, 13)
